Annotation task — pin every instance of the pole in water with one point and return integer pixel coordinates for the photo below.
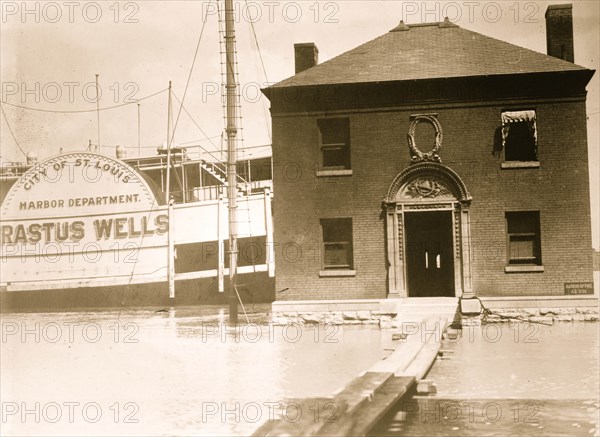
(231, 130)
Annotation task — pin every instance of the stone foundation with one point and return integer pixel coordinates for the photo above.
(541, 315)
(388, 320)
(384, 320)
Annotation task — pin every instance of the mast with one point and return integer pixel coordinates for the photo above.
(231, 130)
(168, 180)
(171, 250)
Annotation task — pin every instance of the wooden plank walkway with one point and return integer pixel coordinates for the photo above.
(364, 418)
(308, 417)
(358, 407)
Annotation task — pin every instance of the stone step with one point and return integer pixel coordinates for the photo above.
(427, 300)
(415, 306)
(409, 323)
(424, 313)
(427, 310)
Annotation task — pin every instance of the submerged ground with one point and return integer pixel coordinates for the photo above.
(510, 379)
(185, 373)
(178, 373)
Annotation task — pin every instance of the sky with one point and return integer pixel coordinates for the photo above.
(51, 52)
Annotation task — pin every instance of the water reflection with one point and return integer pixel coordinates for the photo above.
(181, 373)
(522, 360)
(509, 379)
(424, 417)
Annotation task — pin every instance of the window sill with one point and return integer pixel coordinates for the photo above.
(336, 273)
(326, 173)
(523, 269)
(520, 164)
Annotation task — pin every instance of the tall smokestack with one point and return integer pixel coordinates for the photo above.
(306, 56)
(559, 32)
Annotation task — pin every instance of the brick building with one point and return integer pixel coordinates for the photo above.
(433, 161)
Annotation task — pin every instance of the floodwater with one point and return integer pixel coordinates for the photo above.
(509, 380)
(167, 373)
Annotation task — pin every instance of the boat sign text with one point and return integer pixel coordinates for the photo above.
(79, 201)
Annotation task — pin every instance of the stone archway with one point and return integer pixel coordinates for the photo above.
(428, 187)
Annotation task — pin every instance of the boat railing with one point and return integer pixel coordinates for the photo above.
(220, 169)
(216, 168)
(215, 192)
(13, 169)
(257, 187)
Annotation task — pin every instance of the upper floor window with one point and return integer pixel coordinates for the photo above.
(337, 243)
(335, 143)
(519, 136)
(523, 229)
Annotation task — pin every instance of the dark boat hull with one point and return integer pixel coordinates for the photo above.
(253, 288)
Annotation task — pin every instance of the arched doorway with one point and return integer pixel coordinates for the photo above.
(428, 233)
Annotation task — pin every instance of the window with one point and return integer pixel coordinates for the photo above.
(337, 244)
(335, 143)
(251, 251)
(523, 229)
(196, 257)
(519, 136)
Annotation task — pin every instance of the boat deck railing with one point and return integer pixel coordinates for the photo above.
(10, 170)
(216, 192)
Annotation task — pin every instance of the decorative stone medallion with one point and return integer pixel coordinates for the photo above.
(427, 188)
(416, 154)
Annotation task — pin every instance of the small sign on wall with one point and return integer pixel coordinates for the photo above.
(579, 288)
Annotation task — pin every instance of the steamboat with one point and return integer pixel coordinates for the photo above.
(84, 229)
(87, 230)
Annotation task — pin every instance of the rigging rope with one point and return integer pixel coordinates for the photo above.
(258, 47)
(187, 84)
(11, 132)
(28, 108)
(194, 121)
(254, 43)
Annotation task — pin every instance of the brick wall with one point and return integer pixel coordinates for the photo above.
(558, 189)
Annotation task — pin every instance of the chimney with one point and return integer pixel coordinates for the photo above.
(306, 56)
(559, 32)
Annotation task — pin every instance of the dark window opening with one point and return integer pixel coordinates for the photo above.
(335, 143)
(337, 243)
(251, 251)
(258, 169)
(196, 257)
(520, 143)
(523, 229)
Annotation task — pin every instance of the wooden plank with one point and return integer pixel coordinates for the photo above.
(357, 408)
(401, 357)
(364, 419)
(423, 362)
(361, 389)
(266, 429)
(304, 417)
(407, 351)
